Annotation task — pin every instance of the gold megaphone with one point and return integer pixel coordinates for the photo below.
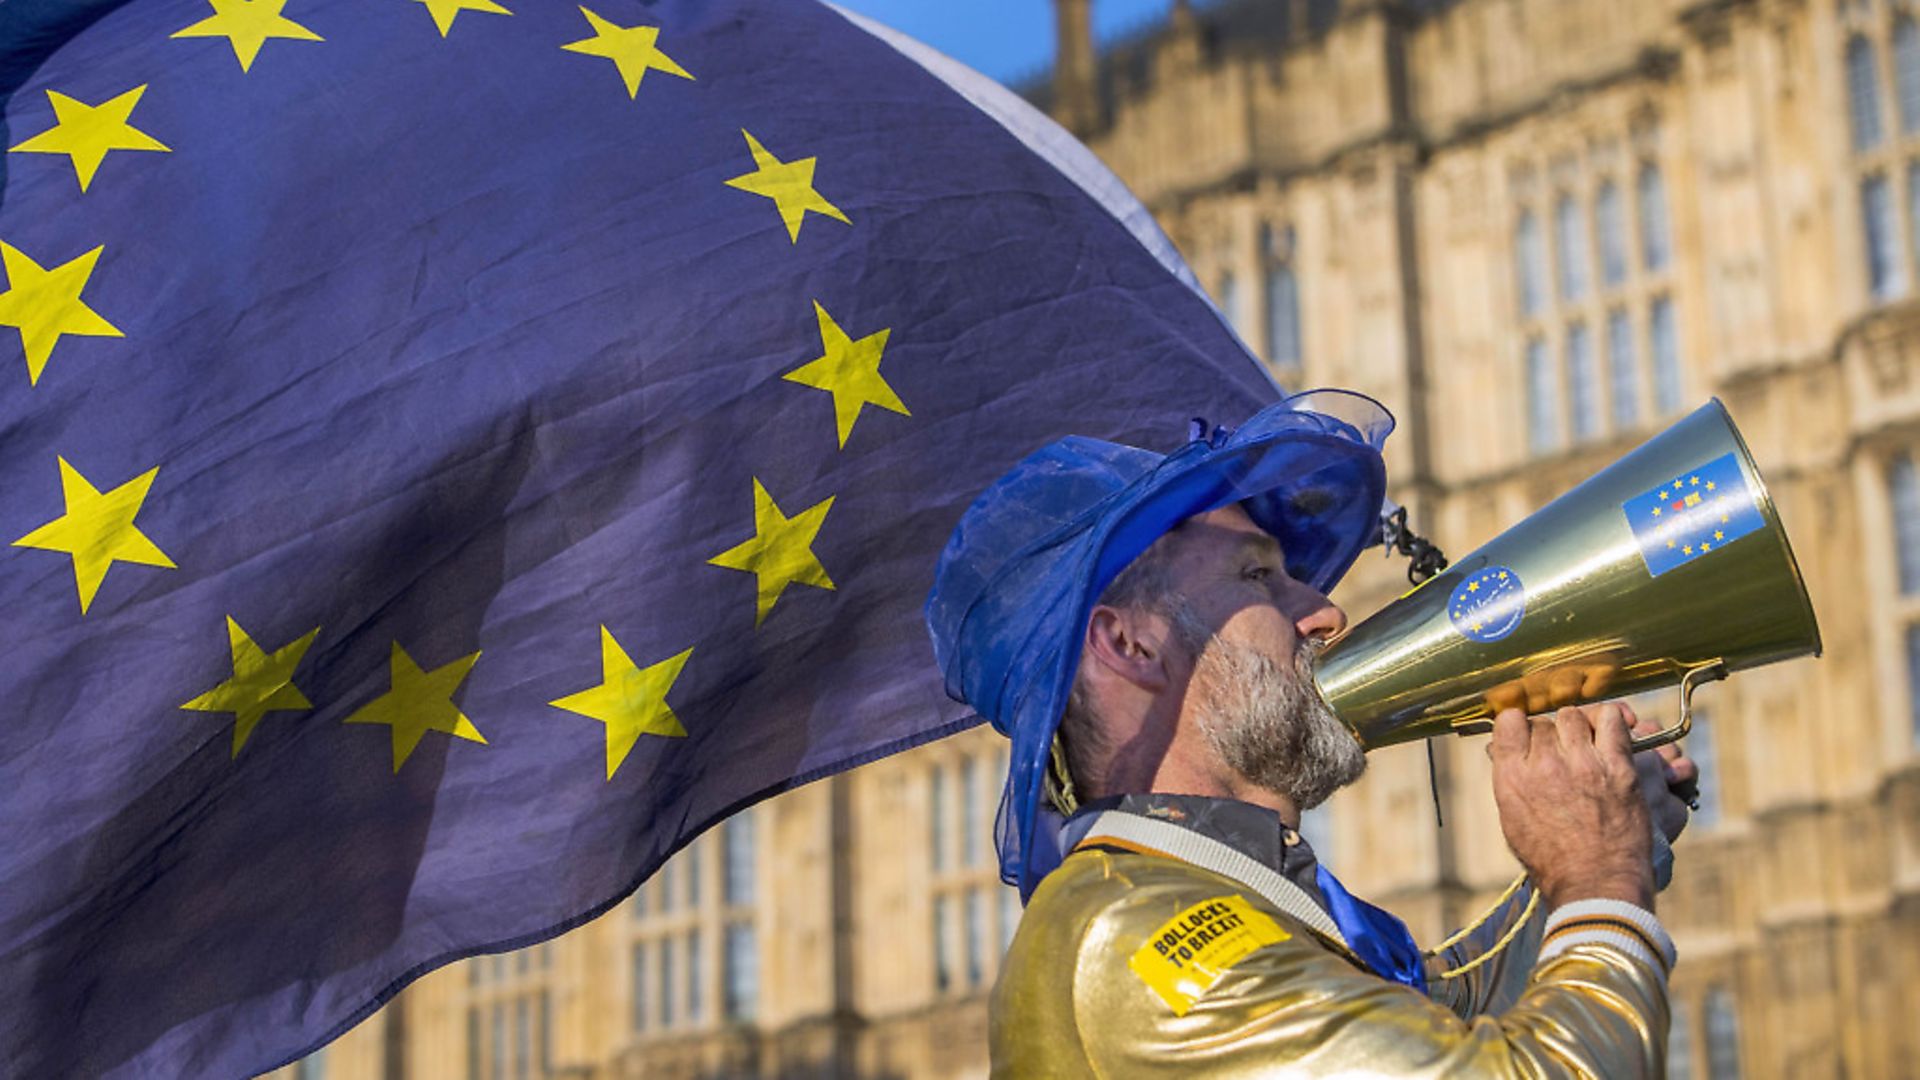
(1669, 567)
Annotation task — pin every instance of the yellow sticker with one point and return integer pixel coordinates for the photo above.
(1192, 950)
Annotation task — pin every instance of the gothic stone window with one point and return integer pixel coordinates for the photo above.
(1881, 65)
(1599, 336)
(509, 1015)
(970, 918)
(1723, 1035)
(1903, 507)
(678, 935)
(1282, 295)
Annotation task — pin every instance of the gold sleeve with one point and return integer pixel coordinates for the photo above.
(1078, 997)
(1496, 984)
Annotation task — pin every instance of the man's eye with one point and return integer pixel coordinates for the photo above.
(1257, 572)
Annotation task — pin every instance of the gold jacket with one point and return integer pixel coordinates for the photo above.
(1141, 965)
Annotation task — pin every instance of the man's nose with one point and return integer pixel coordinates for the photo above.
(1320, 617)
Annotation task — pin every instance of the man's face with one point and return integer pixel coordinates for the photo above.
(1251, 633)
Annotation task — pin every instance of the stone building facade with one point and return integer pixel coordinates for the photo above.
(1538, 230)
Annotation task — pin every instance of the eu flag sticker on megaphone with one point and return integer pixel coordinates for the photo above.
(1697, 512)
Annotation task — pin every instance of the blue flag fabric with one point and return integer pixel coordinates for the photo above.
(456, 451)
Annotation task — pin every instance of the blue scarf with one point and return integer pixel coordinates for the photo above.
(1376, 936)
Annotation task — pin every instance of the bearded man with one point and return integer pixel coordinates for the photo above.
(1143, 628)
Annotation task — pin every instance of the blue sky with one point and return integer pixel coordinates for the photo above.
(1007, 39)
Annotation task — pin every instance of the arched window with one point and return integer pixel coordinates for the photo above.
(1571, 240)
(666, 982)
(974, 914)
(1913, 680)
(740, 967)
(942, 956)
(1543, 399)
(1583, 383)
(642, 988)
(1230, 299)
(1701, 747)
(1723, 1036)
(1663, 340)
(737, 858)
(1623, 372)
(1282, 291)
(1530, 263)
(1679, 1043)
(969, 813)
(1609, 221)
(1863, 94)
(1906, 71)
(696, 977)
(937, 819)
(1886, 277)
(1656, 241)
(1903, 501)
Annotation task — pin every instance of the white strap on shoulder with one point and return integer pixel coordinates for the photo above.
(1182, 843)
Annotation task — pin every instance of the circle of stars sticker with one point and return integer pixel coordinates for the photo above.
(1488, 605)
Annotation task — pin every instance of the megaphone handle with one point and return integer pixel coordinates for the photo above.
(1712, 671)
(1687, 791)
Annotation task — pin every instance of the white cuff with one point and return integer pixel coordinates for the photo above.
(1627, 927)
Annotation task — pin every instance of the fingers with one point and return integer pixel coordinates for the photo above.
(1610, 728)
(1575, 732)
(1512, 735)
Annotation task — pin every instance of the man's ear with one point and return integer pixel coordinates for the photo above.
(1131, 645)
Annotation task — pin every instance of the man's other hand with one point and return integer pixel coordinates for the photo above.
(1661, 769)
(1570, 803)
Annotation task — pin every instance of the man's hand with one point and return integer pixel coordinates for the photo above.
(1570, 804)
(1660, 770)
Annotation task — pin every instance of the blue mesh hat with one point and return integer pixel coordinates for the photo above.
(1022, 571)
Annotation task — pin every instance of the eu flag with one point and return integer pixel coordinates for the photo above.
(1702, 510)
(454, 451)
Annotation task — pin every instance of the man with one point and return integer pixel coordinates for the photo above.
(1143, 628)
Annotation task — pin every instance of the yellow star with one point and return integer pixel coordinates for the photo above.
(1473, 586)
(445, 11)
(1709, 485)
(1718, 535)
(262, 683)
(634, 50)
(1656, 511)
(1669, 543)
(98, 530)
(1694, 481)
(850, 371)
(1503, 575)
(781, 551)
(247, 25)
(788, 183)
(86, 133)
(1663, 494)
(44, 304)
(419, 702)
(1705, 547)
(1687, 549)
(630, 700)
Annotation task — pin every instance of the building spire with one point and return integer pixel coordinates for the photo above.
(1076, 102)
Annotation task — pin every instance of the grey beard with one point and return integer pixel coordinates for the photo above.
(1268, 724)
